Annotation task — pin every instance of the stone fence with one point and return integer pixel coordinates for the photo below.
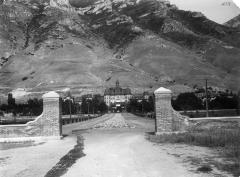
(167, 119)
(47, 125)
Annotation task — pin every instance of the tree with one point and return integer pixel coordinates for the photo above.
(35, 106)
(11, 102)
(132, 105)
(95, 104)
(103, 107)
(224, 102)
(187, 101)
(84, 106)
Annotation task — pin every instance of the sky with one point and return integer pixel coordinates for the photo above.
(219, 11)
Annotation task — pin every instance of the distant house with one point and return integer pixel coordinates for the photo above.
(116, 96)
(142, 96)
(78, 100)
(90, 97)
(147, 95)
(138, 97)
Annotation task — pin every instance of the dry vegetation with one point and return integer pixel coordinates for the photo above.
(223, 137)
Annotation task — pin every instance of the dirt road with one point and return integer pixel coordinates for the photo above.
(115, 147)
(124, 152)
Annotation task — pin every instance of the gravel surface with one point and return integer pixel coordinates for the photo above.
(111, 150)
(116, 121)
(121, 152)
(34, 161)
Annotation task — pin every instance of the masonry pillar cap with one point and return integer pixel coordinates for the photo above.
(51, 94)
(162, 90)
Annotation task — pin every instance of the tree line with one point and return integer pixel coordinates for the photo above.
(33, 107)
(184, 101)
(189, 101)
(140, 106)
(88, 106)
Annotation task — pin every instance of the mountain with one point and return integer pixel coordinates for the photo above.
(234, 23)
(89, 44)
(219, 11)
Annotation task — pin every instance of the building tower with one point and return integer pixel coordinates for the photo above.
(117, 83)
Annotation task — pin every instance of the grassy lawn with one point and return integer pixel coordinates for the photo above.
(222, 136)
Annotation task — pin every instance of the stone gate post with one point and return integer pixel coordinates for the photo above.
(167, 119)
(45, 126)
(51, 114)
(163, 110)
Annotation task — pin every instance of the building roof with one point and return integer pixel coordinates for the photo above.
(117, 90)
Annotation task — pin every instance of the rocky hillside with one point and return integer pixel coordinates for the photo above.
(234, 23)
(82, 44)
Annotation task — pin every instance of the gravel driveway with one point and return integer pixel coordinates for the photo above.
(114, 146)
(124, 152)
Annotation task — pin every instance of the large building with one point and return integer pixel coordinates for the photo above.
(117, 97)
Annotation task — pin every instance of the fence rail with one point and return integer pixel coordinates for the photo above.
(77, 118)
(15, 120)
(211, 113)
(199, 113)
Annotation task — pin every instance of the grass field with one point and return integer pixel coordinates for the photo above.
(221, 136)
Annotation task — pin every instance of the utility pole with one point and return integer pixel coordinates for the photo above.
(80, 110)
(70, 108)
(206, 92)
(88, 107)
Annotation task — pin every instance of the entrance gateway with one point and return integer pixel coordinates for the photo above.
(48, 124)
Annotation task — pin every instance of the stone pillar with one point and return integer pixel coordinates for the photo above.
(163, 111)
(46, 126)
(51, 116)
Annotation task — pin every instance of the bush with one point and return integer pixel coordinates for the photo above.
(187, 101)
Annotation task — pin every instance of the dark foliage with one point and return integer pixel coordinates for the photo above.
(69, 107)
(224, 102)
(187, 101)
(11, 101)
(141, 106)
(33, 107)
(93, 106)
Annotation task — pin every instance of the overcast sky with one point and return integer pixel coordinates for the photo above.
(219, 11)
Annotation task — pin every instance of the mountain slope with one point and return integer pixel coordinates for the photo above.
(234, 23)
(53, 44)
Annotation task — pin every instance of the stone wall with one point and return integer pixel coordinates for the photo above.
(167, 119)
(45, 125)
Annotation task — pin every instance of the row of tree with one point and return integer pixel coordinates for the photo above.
(189, 101)
(33, 107)
(87, 106)
(95, 105)
(185, 101)
(141, 106)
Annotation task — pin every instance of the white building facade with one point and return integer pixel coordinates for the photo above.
(117, 96)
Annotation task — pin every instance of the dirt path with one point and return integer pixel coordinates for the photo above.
(116, 147)
(125, 152)
(33, 160)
